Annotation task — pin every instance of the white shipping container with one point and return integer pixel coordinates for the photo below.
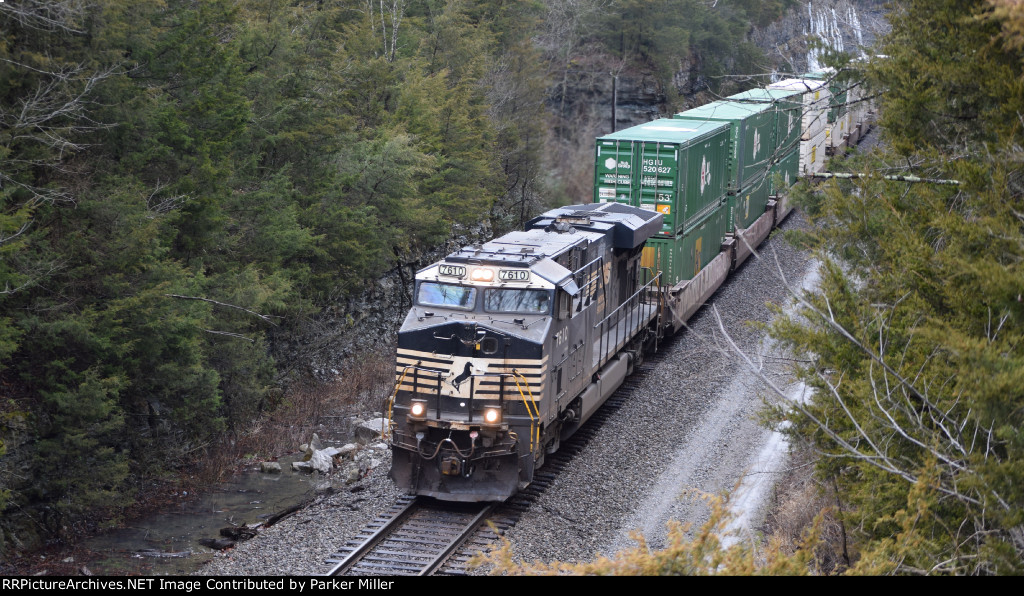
(865, 118)
(830, 139)
(868, 114)
(816, 98)
(854, 137)
(838, 133)
(812, 154)
(814, 122)
(856, 106)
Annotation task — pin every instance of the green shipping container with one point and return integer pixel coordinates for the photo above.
(681, 257)
(788, 106)
(752, 137)
(748, 204)
(784, 172)
(671, 166)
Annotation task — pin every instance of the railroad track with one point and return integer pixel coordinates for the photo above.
(418, 536)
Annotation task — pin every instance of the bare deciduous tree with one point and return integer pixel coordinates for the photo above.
(391, 13)
(46, 15)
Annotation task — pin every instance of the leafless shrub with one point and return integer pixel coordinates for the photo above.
(798, 502)
(308, 407)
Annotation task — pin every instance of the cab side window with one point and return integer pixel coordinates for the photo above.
(564, 305)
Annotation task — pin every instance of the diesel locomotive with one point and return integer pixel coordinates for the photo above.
(511, 345)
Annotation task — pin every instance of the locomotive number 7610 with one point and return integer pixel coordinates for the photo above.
(514, 274)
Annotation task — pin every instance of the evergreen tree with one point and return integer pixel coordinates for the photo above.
(915, 334)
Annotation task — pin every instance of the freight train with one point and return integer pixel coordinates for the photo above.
(511, 345)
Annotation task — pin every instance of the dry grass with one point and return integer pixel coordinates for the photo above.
(800, 499)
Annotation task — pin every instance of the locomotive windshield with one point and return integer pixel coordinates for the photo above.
(448, 295)
(517, 301)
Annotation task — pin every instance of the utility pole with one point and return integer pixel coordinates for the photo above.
(615, 97)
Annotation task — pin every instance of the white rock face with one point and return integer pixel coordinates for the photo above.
(849, 26)
(833, 22)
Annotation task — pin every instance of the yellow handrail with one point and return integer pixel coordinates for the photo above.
(535, 432)
(391, 402)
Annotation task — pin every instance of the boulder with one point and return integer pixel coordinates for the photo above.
(314, 444)
(270, 467)
(351, 474)
(321, 462)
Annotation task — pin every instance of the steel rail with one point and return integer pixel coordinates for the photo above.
(383, 532)
(404, 561)
(456, 542)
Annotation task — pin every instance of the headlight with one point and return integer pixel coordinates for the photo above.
(418, 409)
(492, 415)
(482, 275)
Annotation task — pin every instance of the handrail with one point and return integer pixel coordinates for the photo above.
(651, 273)
(630, 303)
(533, 421)
(587, 266)
(589, 279)
(391, 402)
(628, 300)
(660, 295)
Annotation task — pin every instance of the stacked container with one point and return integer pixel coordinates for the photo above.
(784, 172)
(682, 257)
(671, 166)
(752, 143)
(812, 155)
(785, 159)
(815, 96)
(679, 169)
(840, 121)
(813, 139)
(859, 109)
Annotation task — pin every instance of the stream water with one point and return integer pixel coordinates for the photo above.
(167, 542)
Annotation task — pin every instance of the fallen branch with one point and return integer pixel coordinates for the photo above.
(273, 519)
(853, 175)
(256, 314)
